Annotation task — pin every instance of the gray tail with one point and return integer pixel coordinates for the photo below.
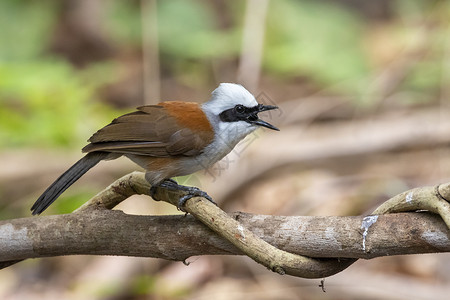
(66, 180)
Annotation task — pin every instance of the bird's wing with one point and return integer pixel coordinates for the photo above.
(154, 131)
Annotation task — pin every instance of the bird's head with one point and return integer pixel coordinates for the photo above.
(236, 109)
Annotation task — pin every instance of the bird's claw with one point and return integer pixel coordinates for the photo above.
(191, 192)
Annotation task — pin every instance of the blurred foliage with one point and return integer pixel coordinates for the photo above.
(25, 28)
(71, 201)
(143, 285)
(189, 34)
(46, 101)
(318, 40)
(422, 21)
(186, 29)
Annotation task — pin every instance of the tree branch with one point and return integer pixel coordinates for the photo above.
(95, 229)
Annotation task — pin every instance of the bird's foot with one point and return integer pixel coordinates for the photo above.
(191, 192)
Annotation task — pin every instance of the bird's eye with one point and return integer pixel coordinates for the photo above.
(240, 109)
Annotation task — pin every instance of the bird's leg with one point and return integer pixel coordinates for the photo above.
(163, 184)
(191, 191)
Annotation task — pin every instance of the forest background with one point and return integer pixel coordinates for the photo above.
(363, 88)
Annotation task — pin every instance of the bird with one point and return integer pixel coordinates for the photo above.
(170, 139)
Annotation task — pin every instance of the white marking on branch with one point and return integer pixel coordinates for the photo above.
(241, 231)
(366, 223)
(409, 197)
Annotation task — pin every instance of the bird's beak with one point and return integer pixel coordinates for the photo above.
(262, 123)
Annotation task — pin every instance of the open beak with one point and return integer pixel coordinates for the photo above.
(262, 123)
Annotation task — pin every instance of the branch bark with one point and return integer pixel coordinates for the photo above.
(177, 237)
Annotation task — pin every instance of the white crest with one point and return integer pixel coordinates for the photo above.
(227, 96)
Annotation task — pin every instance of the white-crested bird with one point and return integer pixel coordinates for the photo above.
(170, 139)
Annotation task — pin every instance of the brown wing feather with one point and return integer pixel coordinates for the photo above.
(151, 131)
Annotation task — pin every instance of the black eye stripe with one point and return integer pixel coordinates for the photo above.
(240, 113)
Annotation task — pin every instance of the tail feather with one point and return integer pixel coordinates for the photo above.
(66, 180)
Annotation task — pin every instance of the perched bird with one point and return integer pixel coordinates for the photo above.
(170, 139)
